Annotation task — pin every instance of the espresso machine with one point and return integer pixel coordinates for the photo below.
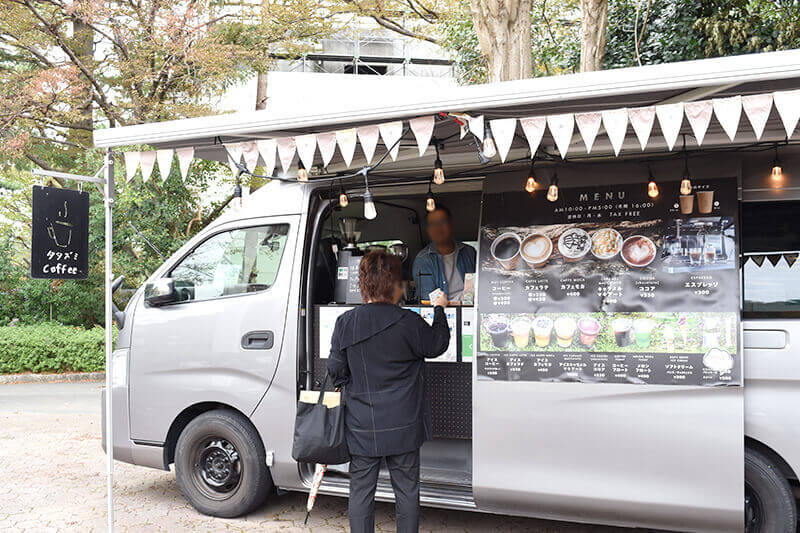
(703, 243)
(349, 257)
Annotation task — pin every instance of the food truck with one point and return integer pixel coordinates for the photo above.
(622, 355)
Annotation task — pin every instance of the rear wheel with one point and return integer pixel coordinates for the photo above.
(220, 465)
(769, 505)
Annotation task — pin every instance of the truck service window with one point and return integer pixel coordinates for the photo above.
(233, 262)
(770, 246)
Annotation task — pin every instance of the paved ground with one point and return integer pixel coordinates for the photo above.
(53, 479)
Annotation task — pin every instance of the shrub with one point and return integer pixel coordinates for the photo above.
(51, 347)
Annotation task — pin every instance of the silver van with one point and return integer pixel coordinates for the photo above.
(217, 346)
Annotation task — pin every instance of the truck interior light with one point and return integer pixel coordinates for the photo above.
(652, 186)
(686, 182)
(777, 168)
(369, 206)
(530, 185)
(489, 149)
(343, 201)
(302, 173)
(552, 191)
(438, 171)
(430, 203)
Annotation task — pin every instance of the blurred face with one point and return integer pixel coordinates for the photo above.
(440, 229)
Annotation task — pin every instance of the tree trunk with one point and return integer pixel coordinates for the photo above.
(504, 36)
(261, 91)
(594, 19)
(83, 45)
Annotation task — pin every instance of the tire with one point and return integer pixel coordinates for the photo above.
(220, 465)
(769, 501)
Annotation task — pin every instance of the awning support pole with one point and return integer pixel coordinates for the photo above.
(108, 197)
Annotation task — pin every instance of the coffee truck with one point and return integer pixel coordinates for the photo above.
(625, 358)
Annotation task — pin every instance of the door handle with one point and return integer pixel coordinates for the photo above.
(258, 340)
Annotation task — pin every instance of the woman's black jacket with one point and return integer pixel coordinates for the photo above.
(377, 354)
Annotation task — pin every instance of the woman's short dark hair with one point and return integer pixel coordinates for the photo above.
(378, 275)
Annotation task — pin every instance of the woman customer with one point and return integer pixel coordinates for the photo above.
(377, 354)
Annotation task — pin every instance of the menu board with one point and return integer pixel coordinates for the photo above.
(610, 285)
(59, 233)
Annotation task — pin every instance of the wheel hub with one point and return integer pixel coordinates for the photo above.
(217, 466)
(753, 511)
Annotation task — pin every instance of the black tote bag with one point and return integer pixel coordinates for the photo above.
(319, 432)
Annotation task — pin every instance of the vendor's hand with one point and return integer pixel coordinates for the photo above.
(441, 299)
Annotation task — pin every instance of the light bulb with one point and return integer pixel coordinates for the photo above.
(369, 206)
(652, 189)
(237, 195)
(686, 186)
(489, 149)
(552, 192)
(343, 201)
(438, 172)
(530, 185)
(777, 172)
(430, 204)
(302, 173)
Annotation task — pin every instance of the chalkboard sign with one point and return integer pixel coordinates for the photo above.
(59, 234)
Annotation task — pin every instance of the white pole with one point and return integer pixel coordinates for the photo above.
(108, 196)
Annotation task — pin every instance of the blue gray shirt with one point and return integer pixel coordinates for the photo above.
(428, 270)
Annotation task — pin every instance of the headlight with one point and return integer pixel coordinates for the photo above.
(119, 368)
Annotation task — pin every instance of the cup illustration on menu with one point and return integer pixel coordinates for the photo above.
(622, 331)
(574, 244)
(60, 230)
(521, 331)
(705, 201)
(687, 203)
(588, 328)
(542, 331)
(669, 337)
(638, 251)
(499, 331)
(710, 332)
(606, 243)
(565, 331)
(505, 250)
(536, 250)
(642, 328)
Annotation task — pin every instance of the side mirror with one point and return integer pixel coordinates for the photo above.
(160, 292)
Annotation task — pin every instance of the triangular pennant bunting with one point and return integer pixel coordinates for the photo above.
(267, 147)
(757, 108)
(503, 131)
(250, 155)
(346, 139)
(286, 149)
(148, 162)
(368, 137)
(791, 259)
(670, 118)
(774, 259)
(306, 146)
(476, 126)
(561, 128)
(758, 259)
(588, 126)
(391, 133)
(533, 127)
(185, 157)
(422, 127)
(728, 112)
(164, 159)
(327, 146)
(788, 105)
(234, 151)
(642, 120)
(131, 164)
(615, 122)
(699, 116)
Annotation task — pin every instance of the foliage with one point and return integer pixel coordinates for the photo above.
(51, 347)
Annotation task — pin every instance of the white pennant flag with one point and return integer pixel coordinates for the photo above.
(131, 164)
(306, 147)
(232, 165)
(234, 152)
(757, 108)
(286, 149)
(699, 116)
(327, 146)
(728, 112)
(642, 119)
(533, 127)
(476, 126)
(250, 154)
(391, 133)
(267, 147)
(368, 135)
(615, 122)
(588, 126)
(148, 162)
(164, 158)
(185, 156)
(422, 127)
(788, 105)
(346, 139)
(503, 131)
(670, 118)
(561, 128)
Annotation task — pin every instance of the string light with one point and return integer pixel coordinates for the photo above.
(438, 171)
(430, 203)
(489, 149)
(237, 192)
(302, 173)
(686, 182)
(343, 200)
(552, 191)
(531, 184)
(369, 205)
(777, 168)
(652, 186)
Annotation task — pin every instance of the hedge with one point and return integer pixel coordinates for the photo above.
(51, 347)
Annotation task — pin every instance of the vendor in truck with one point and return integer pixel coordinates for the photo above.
(443, 263)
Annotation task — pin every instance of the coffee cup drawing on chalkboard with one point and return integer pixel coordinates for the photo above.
(60, 230)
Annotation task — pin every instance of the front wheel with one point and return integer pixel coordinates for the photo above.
(769, 505)
(220, 465)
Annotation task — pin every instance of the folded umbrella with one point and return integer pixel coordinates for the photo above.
(319, 471)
